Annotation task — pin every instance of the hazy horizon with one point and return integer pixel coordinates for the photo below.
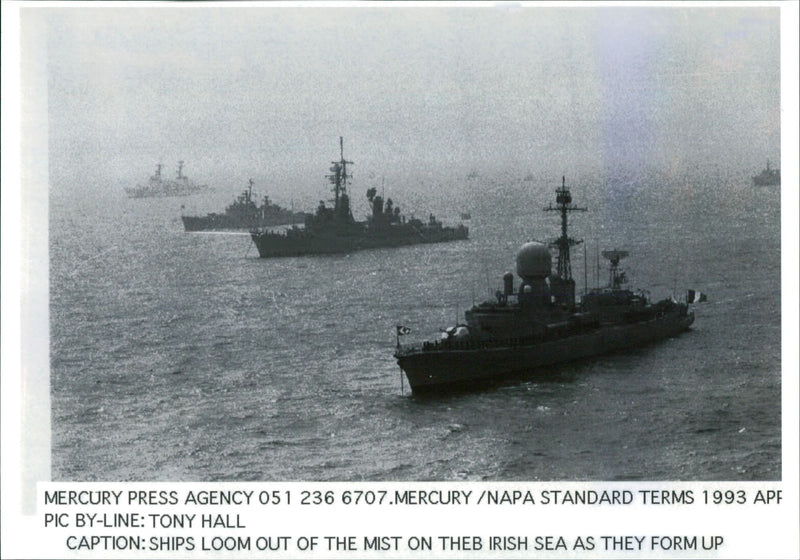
(420, 95)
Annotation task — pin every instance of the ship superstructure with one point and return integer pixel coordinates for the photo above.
(768, 177)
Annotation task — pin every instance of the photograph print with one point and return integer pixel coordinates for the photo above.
(395, 243)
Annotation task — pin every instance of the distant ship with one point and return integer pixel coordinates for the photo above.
(333, 230)
(466, 216)
(160, 187)
(538, 323)
(244, 214)
(768, 177)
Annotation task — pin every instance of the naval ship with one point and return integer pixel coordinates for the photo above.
(768, 177)
(157, 186)
(537, 323)
(334, 230)
(244, 214)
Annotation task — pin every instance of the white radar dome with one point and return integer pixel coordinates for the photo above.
(533, 261)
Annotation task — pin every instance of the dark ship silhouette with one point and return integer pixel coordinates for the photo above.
(768, 177)
(333, 230)
(244, 214)
(157, 186)
(538, 323)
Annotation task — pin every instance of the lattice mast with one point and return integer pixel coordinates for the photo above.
(249, 192)
(340, 175)
(563, 243)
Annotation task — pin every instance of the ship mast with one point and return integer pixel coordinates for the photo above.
(563, 243)
(180, 169)
(339, 176)
(616, 277)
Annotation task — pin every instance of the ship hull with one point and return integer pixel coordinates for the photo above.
(272, 245)
(441, 369)
(223, 223)
(766, 181)
(165, 191)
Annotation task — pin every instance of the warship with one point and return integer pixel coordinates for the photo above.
(538, 323)
(244, 214)
(334, 230)
(768, 177)
(157, 186)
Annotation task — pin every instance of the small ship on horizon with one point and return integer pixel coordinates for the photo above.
(244, 214)
(768, 177)
(334, 230)
(538, 323)
(159, 187)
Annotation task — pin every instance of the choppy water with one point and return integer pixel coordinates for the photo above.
(185, 357)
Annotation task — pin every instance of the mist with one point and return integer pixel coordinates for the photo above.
(421, 95)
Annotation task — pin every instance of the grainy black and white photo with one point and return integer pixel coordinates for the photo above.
(414, 243)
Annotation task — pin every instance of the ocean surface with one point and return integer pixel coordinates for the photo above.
(185, 357)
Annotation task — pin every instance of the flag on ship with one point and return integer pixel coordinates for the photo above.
(695, 297)
(401, 330)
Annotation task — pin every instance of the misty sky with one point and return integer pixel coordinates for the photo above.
(416, 92)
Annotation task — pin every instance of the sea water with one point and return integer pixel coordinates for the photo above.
(178, 356)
